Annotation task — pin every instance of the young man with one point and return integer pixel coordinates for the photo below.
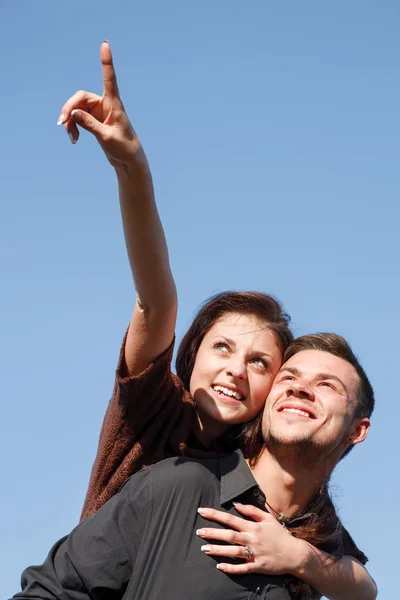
(146, 542)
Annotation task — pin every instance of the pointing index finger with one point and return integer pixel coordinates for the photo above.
(109, 77)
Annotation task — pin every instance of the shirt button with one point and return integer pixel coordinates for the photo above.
(256, 492)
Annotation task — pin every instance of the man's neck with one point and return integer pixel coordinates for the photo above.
(288, 485)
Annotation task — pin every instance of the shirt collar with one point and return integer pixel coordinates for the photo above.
(236, 477)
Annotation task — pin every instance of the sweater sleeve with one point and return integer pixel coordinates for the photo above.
(140, 417)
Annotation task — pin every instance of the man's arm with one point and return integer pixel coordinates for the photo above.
(344, 579)
(97, 558)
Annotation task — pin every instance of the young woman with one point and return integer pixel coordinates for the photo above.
(227, 360)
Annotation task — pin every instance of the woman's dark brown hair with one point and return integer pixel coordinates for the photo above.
(262, 306)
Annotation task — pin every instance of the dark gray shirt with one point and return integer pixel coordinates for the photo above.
(142, 544)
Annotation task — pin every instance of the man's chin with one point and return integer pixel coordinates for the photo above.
(289, 437)
(295, 446)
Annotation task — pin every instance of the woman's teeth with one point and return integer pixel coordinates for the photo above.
(297, 411)
(227, 392)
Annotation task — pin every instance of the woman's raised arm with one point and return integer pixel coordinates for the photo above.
(153, 321)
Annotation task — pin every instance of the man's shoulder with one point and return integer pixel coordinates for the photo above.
(178, 467)
(177, 472)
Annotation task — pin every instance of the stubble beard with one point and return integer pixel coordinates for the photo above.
(303, 450)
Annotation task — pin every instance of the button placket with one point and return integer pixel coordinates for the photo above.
(259, 592)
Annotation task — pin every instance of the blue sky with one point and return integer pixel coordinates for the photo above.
(272, 130)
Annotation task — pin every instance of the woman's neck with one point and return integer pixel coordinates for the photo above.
(207, 429)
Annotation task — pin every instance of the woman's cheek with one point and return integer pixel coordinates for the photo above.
(262, 393)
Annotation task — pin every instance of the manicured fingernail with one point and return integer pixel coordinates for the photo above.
(71, 137)
(237, 504)
(218, 566)
(60, 119)
(107, 42)
(200, 532)
(205, 548)
(201, 510)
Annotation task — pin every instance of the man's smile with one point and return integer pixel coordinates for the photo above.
(302, 410)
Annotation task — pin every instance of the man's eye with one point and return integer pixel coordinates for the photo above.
(287, 378)
(327, 384)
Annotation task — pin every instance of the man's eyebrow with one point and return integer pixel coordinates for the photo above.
(318, 377)
(292, 370)
(323, 376)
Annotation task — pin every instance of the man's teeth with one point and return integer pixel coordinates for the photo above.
(297, 411)
(227, 392)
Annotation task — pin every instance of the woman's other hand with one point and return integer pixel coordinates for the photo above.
(274, 551)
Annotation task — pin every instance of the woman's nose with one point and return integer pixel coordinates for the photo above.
(237, 368)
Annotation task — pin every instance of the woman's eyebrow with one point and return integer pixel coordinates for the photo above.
(262, 353)
(233, 344)
(228, 340)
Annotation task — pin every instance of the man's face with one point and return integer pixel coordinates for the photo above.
(311, 405)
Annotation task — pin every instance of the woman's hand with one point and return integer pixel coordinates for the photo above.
(154, 317)
(275, 551)
(105, 117)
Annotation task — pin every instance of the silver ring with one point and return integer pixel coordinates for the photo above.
(249, 553)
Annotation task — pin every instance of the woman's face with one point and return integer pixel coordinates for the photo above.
(233, 373)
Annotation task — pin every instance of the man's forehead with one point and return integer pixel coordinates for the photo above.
(314, 362)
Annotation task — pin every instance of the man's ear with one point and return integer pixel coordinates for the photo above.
(359, 430)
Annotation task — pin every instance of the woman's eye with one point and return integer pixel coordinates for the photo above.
(260, 362)
(221, 346)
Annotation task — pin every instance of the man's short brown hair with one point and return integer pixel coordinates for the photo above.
(337, 345)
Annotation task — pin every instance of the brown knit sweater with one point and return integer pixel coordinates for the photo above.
(150, 417)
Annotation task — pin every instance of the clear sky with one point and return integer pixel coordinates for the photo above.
(272, 129)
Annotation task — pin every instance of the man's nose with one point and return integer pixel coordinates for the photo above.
(300, 389)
